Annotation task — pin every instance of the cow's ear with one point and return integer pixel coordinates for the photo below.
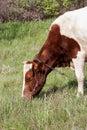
(39, 66)
(35, 65)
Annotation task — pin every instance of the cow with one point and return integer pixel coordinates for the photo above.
(66, 45)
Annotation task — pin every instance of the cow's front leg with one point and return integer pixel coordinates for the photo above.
(79, 71)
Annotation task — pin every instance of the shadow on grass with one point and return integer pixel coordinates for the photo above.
(71, 84)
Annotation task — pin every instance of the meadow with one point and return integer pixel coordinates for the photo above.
(57, 106)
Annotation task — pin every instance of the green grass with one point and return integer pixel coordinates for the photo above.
(56, 107)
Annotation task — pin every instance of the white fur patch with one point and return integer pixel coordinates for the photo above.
(26, 68)
(79, 70)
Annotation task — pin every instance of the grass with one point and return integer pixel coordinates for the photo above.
(57, 106)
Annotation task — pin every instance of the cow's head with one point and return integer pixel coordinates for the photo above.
(34, 77)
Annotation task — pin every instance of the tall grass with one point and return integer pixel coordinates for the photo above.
(57, 106)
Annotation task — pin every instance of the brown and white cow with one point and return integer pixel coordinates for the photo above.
(65, 45)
